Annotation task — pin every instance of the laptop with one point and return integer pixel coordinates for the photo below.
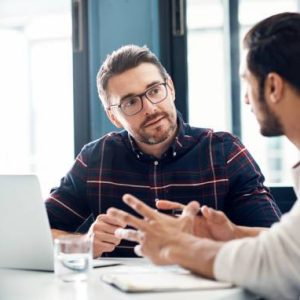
(26, 240)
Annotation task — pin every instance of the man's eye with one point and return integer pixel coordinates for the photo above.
(154, 91)
(130, 102)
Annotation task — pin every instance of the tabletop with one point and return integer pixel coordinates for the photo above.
(25, 285)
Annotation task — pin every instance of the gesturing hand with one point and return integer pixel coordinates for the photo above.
(211, 224)
(157, 232)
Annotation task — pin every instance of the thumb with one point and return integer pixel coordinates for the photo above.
(191, 209)
(213, 215)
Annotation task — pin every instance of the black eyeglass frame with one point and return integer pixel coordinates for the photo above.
(141, 96)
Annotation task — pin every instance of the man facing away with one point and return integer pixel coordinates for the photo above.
(268, 264)
(156, 156)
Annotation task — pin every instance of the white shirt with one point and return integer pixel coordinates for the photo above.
(269, 264)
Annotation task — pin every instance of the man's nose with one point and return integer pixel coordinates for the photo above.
(148, 105)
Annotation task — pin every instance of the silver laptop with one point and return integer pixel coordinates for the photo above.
(26, 241)
(25, 235)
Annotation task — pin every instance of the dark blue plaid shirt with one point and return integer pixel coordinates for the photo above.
(213, 168)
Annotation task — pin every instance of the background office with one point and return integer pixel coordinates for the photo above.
(49, 105)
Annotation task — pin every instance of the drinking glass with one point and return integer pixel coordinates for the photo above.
(73, 257)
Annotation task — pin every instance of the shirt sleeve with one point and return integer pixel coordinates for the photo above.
(67, 206)
(249, 201)
(268, 264)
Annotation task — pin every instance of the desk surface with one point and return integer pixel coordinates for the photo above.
(25, 285)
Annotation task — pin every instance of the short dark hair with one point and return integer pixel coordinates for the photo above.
(121, 60)
(274, 46)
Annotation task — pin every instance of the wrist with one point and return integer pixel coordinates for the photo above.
(243, 231)
(200, 257)
(238, 232)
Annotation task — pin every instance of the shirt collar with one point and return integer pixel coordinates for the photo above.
(178, 146)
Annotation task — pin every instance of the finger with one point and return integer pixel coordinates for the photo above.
(100, 247)
(138, 250)
(106, 218)
(104, 227)
(213, 215)
(191, 209)
(140, 207)
(129, 234)
(205, 212)
(106, 238)
(165, 204)
(128, 218)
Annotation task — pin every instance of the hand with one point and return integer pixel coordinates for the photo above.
(103, 231)
(212, 224)
(157, 233)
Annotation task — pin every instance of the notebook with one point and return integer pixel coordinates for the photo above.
(136, 279)
(26, 241)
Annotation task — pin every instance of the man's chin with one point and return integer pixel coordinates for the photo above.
(271, 133)
(154, 140)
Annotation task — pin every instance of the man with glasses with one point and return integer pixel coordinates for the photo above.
(157, 156)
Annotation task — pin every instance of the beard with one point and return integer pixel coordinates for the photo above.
(270, 126)
(160, 133)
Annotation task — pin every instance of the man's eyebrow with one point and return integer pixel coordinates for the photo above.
(147, 87)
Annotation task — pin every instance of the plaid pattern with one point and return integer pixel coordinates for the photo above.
(212, 168)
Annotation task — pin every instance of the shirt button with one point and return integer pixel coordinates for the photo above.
(174, 153)
(156, 163)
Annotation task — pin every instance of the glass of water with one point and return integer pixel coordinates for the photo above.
(73, 257)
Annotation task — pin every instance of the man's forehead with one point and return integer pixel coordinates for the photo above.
(134, 80)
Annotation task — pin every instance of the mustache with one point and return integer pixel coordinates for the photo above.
(153, 117)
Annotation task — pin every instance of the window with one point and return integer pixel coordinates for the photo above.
(209, 79)
(206, 67)
(275, 156)
(36, 100)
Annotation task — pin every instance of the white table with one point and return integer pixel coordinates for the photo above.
(25, 285)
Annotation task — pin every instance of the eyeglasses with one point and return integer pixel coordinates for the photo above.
(133, 105)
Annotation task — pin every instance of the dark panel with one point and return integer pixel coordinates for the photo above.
(173, 48)
(232, 38)
(80, 74)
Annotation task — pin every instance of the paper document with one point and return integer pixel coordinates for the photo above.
(157, 279)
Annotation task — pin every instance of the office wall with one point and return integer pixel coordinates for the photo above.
(113, 23)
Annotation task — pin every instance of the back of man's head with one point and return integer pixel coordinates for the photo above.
(121, 60)
(274, 46)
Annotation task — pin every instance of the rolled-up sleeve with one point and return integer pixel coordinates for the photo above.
(269, 264)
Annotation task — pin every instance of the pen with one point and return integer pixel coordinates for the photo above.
(176, 211)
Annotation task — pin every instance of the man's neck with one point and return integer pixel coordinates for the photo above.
(290, 121)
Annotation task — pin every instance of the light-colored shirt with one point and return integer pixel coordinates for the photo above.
(269, 264)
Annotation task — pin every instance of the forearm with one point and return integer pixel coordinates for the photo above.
(243, 231)
(200, 257)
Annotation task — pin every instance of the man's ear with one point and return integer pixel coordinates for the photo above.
(112, 117)
(274, 87)
(171, 87)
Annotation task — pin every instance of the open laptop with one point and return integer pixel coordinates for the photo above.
(25, 236)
